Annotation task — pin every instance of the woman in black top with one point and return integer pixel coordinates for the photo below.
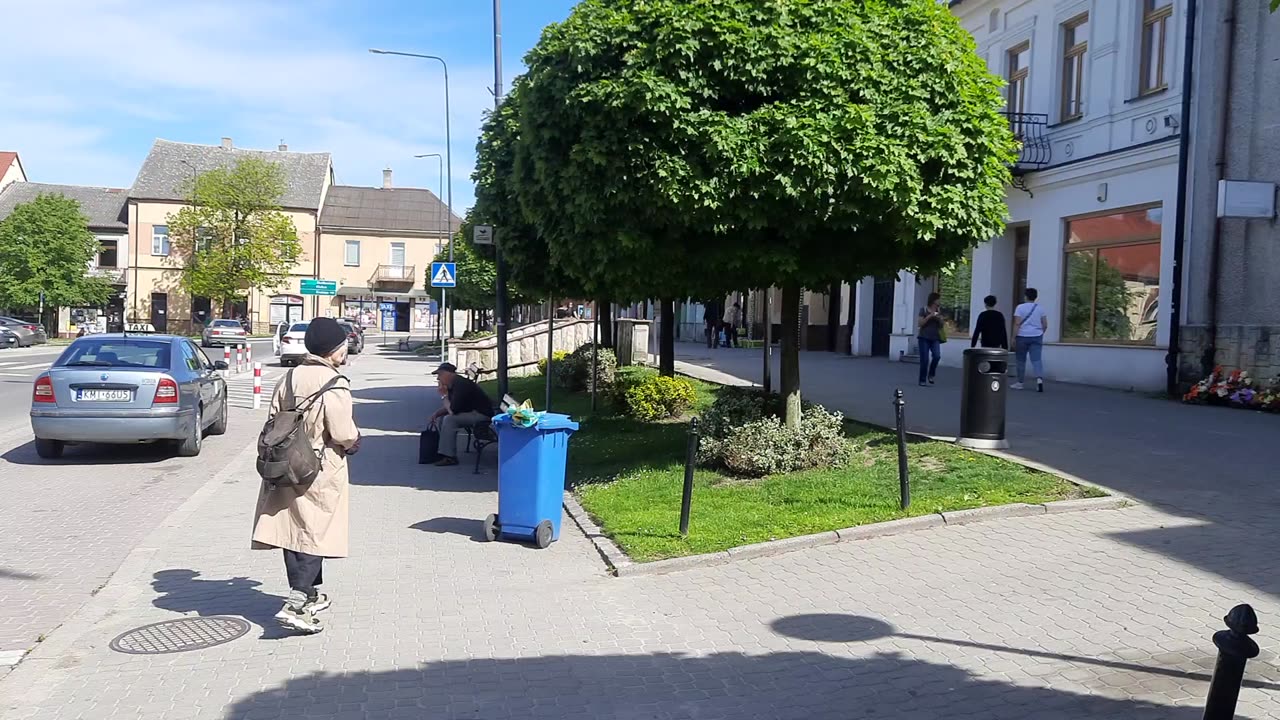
(990, 330)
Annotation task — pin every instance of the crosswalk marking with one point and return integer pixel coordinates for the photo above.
(240, 389)
(9, 366)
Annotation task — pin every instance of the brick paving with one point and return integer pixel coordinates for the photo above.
(1081, 615)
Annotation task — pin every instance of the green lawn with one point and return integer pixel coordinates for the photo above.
(629, 474)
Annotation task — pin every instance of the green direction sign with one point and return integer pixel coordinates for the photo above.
(319, 287)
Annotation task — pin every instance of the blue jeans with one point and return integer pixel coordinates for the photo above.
(1033, 346)
(929, 369)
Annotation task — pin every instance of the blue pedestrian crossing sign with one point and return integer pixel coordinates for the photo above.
(444, 274)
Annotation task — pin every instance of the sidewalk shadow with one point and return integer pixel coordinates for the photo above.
(400, 408)
(392, 461)
(466, 527)
(91, 454)
(183, 591)
(667, 685)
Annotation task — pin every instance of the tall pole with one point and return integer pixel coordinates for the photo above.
(447, 226)
(448, 154)
(500, 293)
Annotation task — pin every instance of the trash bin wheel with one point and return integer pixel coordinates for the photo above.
(542, 534)
(491, 528)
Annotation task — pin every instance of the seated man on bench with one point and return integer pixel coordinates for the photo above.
(466, 406)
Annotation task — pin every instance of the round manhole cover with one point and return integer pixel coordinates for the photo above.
(174, 636)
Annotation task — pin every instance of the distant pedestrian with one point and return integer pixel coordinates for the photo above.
(1029, 327)
(929, 338)
(310, 522)
(990, 329)
(732, 321)
(711, 322)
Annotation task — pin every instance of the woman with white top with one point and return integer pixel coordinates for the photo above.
(1029, 326)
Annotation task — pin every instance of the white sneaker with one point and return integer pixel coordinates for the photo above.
(300, 619)
(1016, 386)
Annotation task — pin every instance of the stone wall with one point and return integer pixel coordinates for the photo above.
(1254, 348)
(526, 345)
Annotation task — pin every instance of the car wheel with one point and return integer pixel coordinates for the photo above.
(190, 446)
(49, 449)
(219, 426)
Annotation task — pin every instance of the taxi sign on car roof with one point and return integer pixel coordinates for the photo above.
(139, 328)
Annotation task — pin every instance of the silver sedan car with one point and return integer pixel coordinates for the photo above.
(129, 388)
(221, 333)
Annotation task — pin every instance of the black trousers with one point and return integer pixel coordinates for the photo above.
(305, 572)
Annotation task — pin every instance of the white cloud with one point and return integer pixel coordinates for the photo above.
(100, 78)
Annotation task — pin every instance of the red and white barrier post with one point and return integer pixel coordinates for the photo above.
(239, 358)
(257, 385)
(226, 357)
(248, 354)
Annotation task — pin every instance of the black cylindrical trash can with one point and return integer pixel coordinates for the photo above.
(982, 398)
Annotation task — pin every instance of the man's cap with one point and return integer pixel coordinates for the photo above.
(445, 367)
(324, 335)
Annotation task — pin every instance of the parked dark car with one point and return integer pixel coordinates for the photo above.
(355, 338)
(8, 339)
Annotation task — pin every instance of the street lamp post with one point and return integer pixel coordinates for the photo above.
(448, 153)
(439, 332)
(500, 292)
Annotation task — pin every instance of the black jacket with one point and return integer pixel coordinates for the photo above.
(991, 330)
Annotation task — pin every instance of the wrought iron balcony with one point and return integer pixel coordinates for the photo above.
(115, 276)
(1034, 150)
(394, 274)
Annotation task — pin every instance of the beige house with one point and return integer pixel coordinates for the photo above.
(377, 245)
(154, 292)
(10, 169)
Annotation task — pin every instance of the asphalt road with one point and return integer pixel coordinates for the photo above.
(66, 525)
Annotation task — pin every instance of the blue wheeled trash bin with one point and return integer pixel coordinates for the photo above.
(531, 467)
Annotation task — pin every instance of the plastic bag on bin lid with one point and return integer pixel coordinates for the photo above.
(525, 417)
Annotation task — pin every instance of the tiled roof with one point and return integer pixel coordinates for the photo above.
(105, 207)
(166, 170)
(387, 209)
(6, 159)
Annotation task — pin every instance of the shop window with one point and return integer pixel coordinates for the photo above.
(1112, 279)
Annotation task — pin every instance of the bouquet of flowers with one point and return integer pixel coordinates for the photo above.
(1236, 389)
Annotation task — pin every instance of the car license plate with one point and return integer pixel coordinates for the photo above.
(91, 395)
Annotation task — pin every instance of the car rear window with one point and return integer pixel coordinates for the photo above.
(298, 327)
(226, 323)
(117, 353)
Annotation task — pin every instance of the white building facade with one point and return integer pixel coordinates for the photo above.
(1094, 92)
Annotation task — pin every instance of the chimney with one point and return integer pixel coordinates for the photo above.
(386, 178)
(282, 147)
(226, 143)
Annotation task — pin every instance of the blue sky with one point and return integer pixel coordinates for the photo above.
(97, 80)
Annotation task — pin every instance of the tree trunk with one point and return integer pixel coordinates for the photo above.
(667, 339)
(606, 323)
(790, 381)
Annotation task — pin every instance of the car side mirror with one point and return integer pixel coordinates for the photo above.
(220, 365)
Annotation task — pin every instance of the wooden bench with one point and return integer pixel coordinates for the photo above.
(483, 435)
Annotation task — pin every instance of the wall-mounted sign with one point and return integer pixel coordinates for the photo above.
(1246, 199)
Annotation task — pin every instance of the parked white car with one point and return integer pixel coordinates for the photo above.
(289, 343)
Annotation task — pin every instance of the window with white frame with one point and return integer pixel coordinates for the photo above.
(352, 257)
(1019, 73)
(1156, 15)
(1075, 43)
(160, 240)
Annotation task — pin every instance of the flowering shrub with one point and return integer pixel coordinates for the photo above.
(743, 433)
(1235, 389)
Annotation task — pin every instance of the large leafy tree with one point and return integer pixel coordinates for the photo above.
(477, 272)
(761, 142)
(234, 235)
(46, 250)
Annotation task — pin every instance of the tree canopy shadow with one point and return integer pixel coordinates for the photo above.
(799, 685)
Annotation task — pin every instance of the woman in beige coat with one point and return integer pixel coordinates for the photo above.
(311, 524)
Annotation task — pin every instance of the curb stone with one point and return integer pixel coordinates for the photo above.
(979, 514)
(622, 566)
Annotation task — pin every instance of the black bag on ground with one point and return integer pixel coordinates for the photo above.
(428, 443)
(285, 454)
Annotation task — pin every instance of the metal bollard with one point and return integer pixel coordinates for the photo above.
(1235, 648)
(257, 385)
(904, 479)
(239, 359)
(686, 498)
(248, 354)
(226, 357)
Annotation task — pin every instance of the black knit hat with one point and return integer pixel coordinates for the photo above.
(324, 335)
